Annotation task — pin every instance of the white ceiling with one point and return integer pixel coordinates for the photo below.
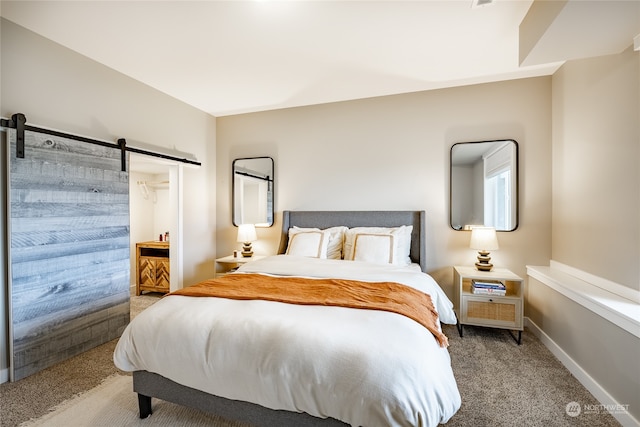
(230, 57)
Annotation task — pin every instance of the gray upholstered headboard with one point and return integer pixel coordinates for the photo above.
(325, 219)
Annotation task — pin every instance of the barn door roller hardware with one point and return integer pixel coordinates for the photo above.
(19, 119)
(122, 143)
(18, 122)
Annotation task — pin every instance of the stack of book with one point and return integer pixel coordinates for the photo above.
(492, 287)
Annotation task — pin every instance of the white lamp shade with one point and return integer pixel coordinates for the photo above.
(247, 233)
(484, 239)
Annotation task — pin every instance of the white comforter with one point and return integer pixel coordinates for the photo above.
(363, 367)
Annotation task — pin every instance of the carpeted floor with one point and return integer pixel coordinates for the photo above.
(505, 384)
(114, 404)
(501, 383)
(32, 397)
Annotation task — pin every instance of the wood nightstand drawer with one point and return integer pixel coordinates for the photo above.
(494, 311)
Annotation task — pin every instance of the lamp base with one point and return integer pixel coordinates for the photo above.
(484, 261)
(484, 266)
(246, 250)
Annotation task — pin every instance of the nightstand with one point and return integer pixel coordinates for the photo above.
(504, 312)
(152, 267)
(230, 263)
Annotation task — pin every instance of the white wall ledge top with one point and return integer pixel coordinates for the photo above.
(596, 294)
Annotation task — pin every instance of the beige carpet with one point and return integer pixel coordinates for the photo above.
(113, 403)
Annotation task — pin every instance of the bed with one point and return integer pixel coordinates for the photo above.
(273, 363)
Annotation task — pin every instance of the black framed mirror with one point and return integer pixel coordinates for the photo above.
(253, 191)
(484, 185)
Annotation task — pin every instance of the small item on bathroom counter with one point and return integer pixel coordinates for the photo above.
(160, 238)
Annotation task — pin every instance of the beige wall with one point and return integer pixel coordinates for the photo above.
(596, 211)
(58, 88)
(393, 153)
(596, 167)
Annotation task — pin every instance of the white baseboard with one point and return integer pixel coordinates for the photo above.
(4, 375)
(623, 417)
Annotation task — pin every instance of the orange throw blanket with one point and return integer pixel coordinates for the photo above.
(386, 296)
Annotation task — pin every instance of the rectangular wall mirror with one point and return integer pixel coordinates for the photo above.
(253, 191)
(484, 185)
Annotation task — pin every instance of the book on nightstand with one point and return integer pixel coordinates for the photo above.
(488, 287)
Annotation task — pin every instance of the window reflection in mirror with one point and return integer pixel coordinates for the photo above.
(484, 185)
(253, 191)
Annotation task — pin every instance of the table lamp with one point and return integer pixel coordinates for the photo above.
(246, 235)
(484, 239)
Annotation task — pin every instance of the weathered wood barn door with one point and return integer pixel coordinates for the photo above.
(69, 249)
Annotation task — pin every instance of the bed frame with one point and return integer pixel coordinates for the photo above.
(148, 384)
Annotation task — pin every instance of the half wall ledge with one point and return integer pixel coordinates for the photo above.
(589, 291)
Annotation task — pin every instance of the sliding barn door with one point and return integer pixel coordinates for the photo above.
(69, 249)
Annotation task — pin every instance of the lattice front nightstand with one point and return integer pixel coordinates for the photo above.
(495, 311)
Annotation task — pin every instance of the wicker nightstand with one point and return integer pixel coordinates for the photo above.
(495, 311)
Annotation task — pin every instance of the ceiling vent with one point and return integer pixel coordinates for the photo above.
(481, 3)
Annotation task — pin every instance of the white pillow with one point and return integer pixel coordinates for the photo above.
(402, 241)
(376, 248)
(336, 239)
(308, 243)
(404, 245)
